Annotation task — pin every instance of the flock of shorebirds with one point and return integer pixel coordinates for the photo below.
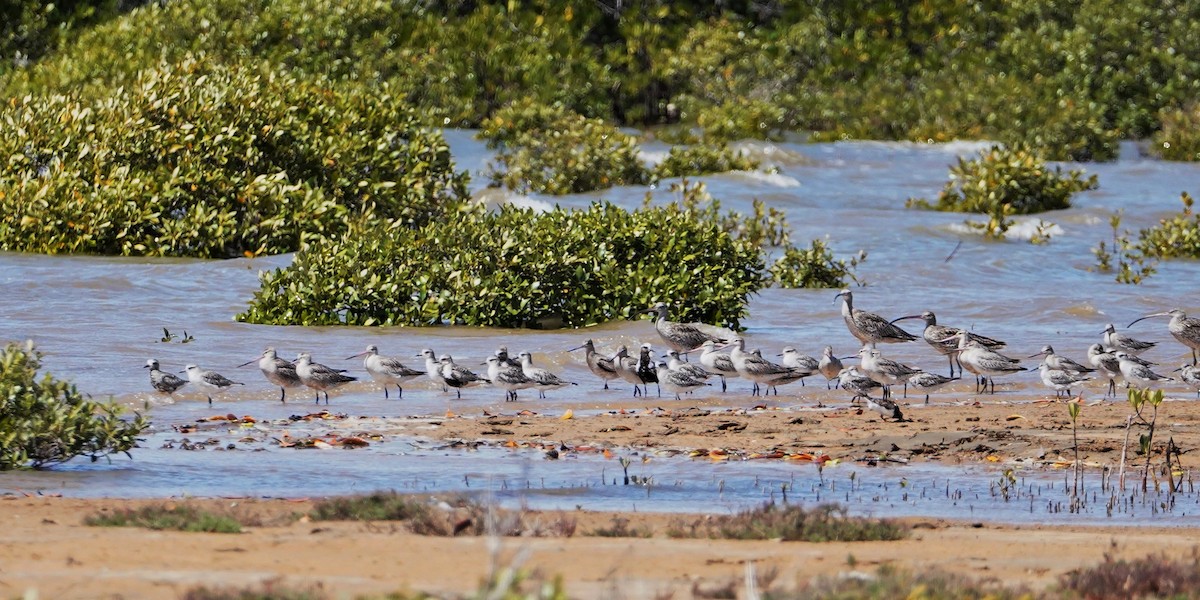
(1116, 358)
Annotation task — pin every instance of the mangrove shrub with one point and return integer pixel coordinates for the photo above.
(1002, 182)
(47, 421)
(203, 160)
(1179, 138)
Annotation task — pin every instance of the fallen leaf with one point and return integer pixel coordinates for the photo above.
(567, 416)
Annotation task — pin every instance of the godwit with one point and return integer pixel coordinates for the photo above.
(851, 379)
(1124, 343)
(1057, 362)
(433, 368)
(1106, 362)
(927, 382)
(1182, 328)
(163, 382)
(508, 378)
(693, 371)
(1135, 373)
(792, 376)
(792, 359)
(985, 364)
(601, 366)
(386, 369)
(1060, 380)
(757, 369)
(1190, 375)
(677, 382)
(716, 362)
(685, 337)
(830, 366)
(458, 376)
(277, 371)
(209, 381)
(543, 379)
(320, 377)
(870, 328)
(884, 370)
(934, 334)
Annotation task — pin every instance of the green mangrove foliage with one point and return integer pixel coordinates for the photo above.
(682, 161)
(814, 267)
(1003, 182)
(197, 159)
(1067, 79)
(46, 421)
(1131, 261)
(1179, 138)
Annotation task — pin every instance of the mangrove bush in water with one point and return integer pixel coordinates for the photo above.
(203, 160)
(46, 421)
(1133, 260)
(1003, 182)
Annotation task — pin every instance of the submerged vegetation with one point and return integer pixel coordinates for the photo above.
(1132, 260)
(46, 421)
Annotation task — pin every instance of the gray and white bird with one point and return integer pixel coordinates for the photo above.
(985, 364)
(647, 368)
(686, 337)
(886, 407)
(1060, 380)
(792, 377)
(277, 371)
(162, 381)
(852, 380)
(1119, 341)
(601, 366)
(830, 366)
(433, 368)
(1138, 374)
(209, 381)
(870, 328)
(502, 354)
(927, 382)
(757, 369)
(694, 371)
(793, 359)
(884, 370)
(543, 379)
(458, 376)
(387, 370)
(717, 362)
(1190, 374)
(319, 377)
(934, 334)
(1184, 329)
(507, 377)
(1058, 362)
(1107, 364)
(627, 368)
(677, 382)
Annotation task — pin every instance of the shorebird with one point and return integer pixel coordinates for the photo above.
(386, 369)
(502, 354)
(800, 362)
(677, 381)
(646, 368)
(693, 371)
(685, 337)
(852, 380)
(320, 377)
(1124, 343)
(884, 370)
(985, 364)
(1190, 374)
(927, 382)
(1182, 328)
(601, 366)
(161, 381)
(1107, 364)
(870, 328)
(209, 381)
(1059, 380)
(759, 370)
(1135, 373)
(793, 376)
(507, 377)
(433, 368)
(830, 366)
(277, 371)
(716, 362)
(458, 376)
(1057, 362)
(934, 335)
(542, 379)
(627, 368)
(886, 407)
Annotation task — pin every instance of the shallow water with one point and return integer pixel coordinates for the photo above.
(98, 320)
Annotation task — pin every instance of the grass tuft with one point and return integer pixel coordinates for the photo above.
(825, 523)
(889, 582)
(620, 528)
(1154, 576)
(459, 516)
(167, 517)
(380, 506)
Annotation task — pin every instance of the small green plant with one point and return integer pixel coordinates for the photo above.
(46, 421)
(1073, 407)
(684, 161)
(1130, 264)
(1003, 182)
(167, 517)
(455, 516)
(1174, 237)
(380, 506)
(814, 267)
(825, 523)
(1139, 399)
(620, 528)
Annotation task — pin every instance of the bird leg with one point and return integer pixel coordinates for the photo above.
(606, 385)
(282, 394)
(399, 392)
